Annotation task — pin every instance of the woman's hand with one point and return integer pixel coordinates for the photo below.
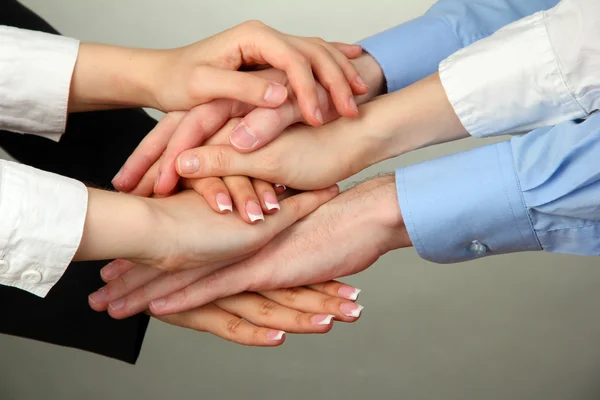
(179, 79)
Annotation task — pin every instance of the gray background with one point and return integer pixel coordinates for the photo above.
(512, 327)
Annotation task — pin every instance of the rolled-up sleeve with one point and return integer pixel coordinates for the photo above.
(35, 79)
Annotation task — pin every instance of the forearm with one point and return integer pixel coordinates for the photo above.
(116, 226)
(107, 77)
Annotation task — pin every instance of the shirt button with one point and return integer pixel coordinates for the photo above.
(3, 266)
(31, 276)
(478, 248)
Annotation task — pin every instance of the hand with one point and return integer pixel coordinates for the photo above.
(178, 131)
(180, 231)
(182, 78)
(261, 319)
(342, 237)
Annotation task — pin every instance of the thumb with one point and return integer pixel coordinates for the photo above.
(217, 83)
(222, 160)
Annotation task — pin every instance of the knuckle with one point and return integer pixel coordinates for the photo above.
(291, 295)
(233, 328)
(267, 307)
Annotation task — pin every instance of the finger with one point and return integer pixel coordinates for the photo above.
(266, 195)
(115, 269)
(121, 285)
(264, 45)
(217, 83)
(329, 75)
(337, 289)
(148, 151)
(244, 198)
(311, 301)
(261, 311)
(220, 323)
(145, 187)
(349, 70)
(198, 125)
(214, 192)
(351, 51)
(234, 279)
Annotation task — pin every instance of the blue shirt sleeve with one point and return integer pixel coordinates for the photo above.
(539, 191)
(413, 50)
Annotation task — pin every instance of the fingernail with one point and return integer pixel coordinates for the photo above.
(351, 309)
(110, 271)
(117, 176)
(275, 335)
(158, 304)
(271, 201)
(98, 297)
(189, 164)
(322, 319)
(117, 304)
(254, 211)
(279, 185)
(360, 81)
(275, 94)
(334, 188)
(242, 137)
(352, 104)
(224, 202)
(349, 292)
(319, 115)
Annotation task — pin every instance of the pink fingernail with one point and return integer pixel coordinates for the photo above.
(157, 181)
(322, 319)
(349, 292)
(275, 94)
(319, 115)
(254, 212)
(188, 164)
(242, 137)
(98, 297)
(351, 309)
(352, 104)
(117, 304)
(275, 335)
(271, 201)
(158, 304)
(224, 202)
(361, 82)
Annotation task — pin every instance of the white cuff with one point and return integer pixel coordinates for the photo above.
(510, 82)
(42, 218)
(35, 80)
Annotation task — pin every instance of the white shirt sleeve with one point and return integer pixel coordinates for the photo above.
(35, 79)
(42, 217)
(538, 71)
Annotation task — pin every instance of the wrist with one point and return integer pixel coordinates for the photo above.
(110, 77)
(371, 72)
(116, 226)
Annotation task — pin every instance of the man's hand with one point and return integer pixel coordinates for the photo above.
(181, 231)
(342, 237)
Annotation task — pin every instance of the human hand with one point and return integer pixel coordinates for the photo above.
(178, 131)
(342, 237)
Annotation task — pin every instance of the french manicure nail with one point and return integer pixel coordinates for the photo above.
(98, 297)
(275, 94)
(189, 164)
(158, 304)
(319, 115)
(224, 202)
(360, 81)
(275, 335)
(271, 201)
(241, 136)
(322, 319)
(349, 292)
(351, 309)
(117, 304)
(353, 103)
(254, 211)
(279, 185)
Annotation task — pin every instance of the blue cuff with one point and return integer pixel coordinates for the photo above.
(411, 51)
(465, 206)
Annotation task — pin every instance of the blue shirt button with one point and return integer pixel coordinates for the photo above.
(478, 248)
